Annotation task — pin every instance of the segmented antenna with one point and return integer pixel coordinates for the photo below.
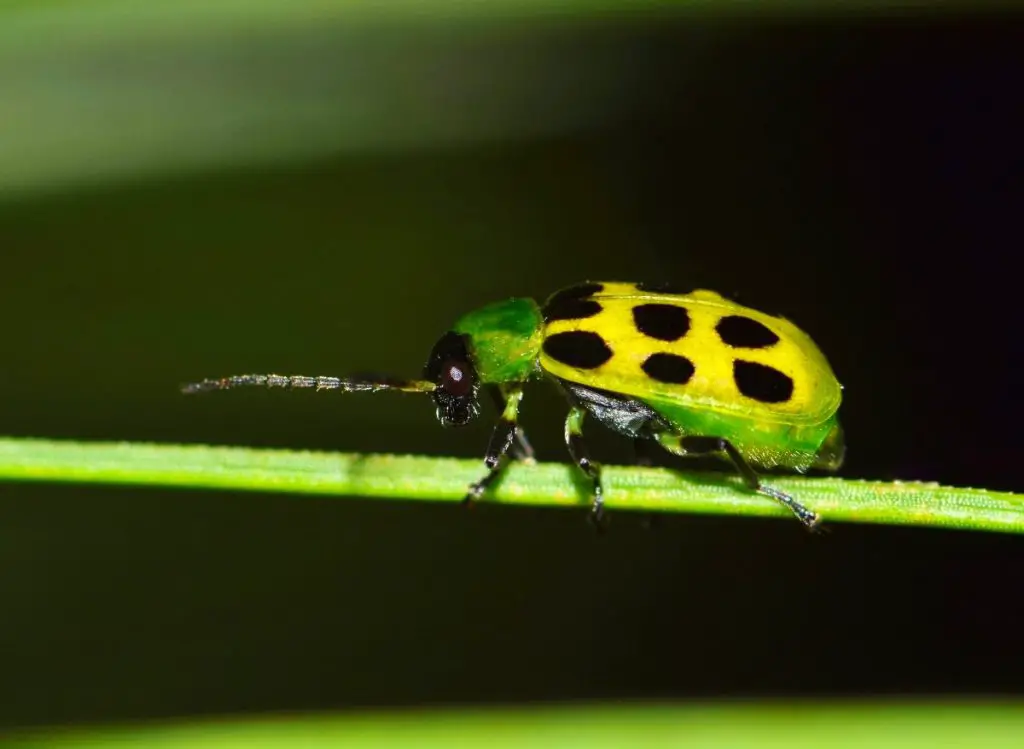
(294, 382)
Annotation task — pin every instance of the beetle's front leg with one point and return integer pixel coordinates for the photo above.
(520, 449)
(501, 439)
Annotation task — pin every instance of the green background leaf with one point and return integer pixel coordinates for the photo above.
(883, 725)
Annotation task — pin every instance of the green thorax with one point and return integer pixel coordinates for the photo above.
(505, 339)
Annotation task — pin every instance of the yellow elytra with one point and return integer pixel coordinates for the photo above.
(726, 370)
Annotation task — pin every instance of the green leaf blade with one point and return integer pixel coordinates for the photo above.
(413, 477)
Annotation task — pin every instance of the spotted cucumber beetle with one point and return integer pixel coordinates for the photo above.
(692, 372)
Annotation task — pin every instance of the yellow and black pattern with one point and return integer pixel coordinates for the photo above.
(696, 350)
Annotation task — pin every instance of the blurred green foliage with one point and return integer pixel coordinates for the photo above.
(902, 726)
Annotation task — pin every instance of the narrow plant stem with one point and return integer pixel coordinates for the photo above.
(552, 484)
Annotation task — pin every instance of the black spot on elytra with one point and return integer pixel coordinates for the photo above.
(665, 322)
(668, 368)
(570, 309)
(660, 287)
(579, 291)
(744, 332)
(761, 382)
(578, 348)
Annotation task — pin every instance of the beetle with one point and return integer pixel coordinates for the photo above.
(694, 373)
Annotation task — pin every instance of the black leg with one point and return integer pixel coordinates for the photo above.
(501, 439)
(521, 449)
(578, 450)
(702, 445)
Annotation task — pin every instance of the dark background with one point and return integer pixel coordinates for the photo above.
(861, 176)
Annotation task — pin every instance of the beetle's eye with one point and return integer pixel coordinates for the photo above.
(456, 379)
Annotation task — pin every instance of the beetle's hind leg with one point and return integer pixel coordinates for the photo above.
(696, 445)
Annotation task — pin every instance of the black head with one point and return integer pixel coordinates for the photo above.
(451, 369)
